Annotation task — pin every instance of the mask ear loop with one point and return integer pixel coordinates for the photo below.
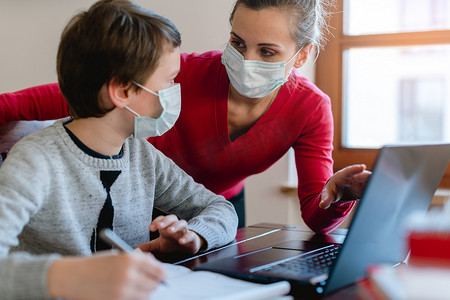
(296, 53)
(144, 88)
(132, 111)
(129, 109)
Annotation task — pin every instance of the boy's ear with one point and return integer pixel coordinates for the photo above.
(303, 56)
(119, 92)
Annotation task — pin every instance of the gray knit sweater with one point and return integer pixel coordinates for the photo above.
(51, 196)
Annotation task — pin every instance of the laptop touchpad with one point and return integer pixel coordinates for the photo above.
(258, 258)
(301, 245)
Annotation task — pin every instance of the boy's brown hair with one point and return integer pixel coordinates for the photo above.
(112, 39)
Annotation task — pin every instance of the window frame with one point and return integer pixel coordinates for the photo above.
(329, 77)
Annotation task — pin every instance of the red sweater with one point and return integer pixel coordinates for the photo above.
(300, 117)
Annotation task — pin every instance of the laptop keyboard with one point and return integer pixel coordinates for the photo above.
(310, 264)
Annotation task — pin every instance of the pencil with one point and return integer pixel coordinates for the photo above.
(108, 236)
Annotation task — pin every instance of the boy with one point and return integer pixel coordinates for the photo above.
(59, 187)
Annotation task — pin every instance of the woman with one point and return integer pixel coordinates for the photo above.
(244, 108)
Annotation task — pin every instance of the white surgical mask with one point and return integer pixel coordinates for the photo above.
(253, 78)
(170, 100)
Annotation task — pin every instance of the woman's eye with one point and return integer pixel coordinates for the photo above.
(266, 52)
(237, 44)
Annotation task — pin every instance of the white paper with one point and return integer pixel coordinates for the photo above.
(182, 283)
(413, 283)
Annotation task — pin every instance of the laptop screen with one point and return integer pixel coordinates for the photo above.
(404, 181)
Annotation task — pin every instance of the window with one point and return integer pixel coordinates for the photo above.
(386, 68)
(418, 118)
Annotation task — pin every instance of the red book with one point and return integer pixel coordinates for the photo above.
(430, 248)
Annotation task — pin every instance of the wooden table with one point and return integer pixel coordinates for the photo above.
(259, 236)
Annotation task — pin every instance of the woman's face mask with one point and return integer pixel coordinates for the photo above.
(170, 100)
(253, 78)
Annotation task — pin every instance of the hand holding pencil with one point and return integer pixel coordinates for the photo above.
(106, 275)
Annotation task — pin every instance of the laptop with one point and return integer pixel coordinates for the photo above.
(403, 181)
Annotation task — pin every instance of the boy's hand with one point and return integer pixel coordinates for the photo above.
(105, 275)
(174, 236)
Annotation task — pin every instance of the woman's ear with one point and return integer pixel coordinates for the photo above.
(303, 56)
(119, 93)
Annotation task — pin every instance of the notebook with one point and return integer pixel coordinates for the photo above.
(403, 181)
(182, 283)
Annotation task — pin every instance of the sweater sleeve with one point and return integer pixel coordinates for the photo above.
(22, 275)
(43, 102)
(315, 166)
(208, 214)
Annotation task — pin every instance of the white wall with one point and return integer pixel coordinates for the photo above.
(30, 31)
(29, 35)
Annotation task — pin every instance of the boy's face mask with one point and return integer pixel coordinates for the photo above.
(253, 78)
(170, 100)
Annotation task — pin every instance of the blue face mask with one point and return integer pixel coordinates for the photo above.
(170, 100)
(253, 78)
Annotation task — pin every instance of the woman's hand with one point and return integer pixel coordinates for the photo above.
(345, 185)
(106, 275)
(174, 236)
